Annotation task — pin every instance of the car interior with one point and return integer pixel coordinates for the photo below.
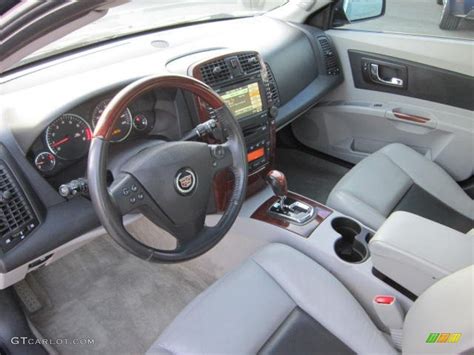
(235, 177)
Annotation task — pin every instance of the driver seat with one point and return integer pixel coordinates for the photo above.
(280, 301)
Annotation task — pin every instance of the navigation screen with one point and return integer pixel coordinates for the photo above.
(243, 101)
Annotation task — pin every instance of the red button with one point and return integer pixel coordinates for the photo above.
(384, 299)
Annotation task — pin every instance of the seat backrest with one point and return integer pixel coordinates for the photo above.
(442, 318)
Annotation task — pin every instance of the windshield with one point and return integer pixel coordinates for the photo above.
(141, 15)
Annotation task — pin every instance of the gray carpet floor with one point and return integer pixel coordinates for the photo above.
(309, 175)
(103, 293)
(123, 303)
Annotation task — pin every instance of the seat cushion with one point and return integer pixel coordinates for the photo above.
(278, 301)
(398, 178)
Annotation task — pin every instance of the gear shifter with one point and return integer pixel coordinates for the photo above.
(277, 181)
(287, 207)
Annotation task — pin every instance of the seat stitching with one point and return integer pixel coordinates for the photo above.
(271, 276)
(348, 193)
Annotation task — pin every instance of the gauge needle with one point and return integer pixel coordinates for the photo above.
(62, 141)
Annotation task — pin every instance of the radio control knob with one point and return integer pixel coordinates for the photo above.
(273, 111)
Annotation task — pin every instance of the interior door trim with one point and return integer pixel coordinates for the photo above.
(423, 81)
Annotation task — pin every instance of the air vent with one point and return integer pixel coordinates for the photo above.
(249, 62)
(332, 67)
(16, 216)
(215, 72)
(272, 87)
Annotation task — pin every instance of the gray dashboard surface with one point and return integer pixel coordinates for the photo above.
(33, 97)
(36, 96)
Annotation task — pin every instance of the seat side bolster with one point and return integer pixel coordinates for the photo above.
(430, 177)
(246, 303)
(370, 190)
(347, 203)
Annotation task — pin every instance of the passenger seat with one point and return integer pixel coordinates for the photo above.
(397, 178)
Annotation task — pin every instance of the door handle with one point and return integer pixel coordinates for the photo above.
(375, 76)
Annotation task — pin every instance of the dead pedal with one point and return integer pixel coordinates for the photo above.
(27, 296)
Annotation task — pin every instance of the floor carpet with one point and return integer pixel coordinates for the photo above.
(309, 175)
(103, 293)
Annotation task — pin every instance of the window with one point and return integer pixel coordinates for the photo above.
(439, 18)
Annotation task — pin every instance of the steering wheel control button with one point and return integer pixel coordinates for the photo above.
(134, 188)
(140, 196)
(185, 181)
(126, 191)
(218, 152)
(133, 200)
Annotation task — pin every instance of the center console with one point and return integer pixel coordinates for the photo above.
(246, 85)
(417, 252)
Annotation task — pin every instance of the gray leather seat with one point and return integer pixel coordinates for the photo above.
(280, 301)
(398, 178)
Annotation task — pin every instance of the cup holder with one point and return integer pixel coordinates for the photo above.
(352, 245)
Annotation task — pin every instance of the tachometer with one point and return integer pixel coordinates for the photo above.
(122, 128)
(69, 136)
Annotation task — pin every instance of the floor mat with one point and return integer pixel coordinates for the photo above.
(105, 294)
(309, 175)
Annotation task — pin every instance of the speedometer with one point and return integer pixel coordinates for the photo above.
(122, 128)
(68, 136)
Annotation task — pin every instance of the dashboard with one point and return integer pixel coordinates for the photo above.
(52, 108)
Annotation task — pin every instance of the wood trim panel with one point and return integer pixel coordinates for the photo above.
(410, 117)
(306, 230)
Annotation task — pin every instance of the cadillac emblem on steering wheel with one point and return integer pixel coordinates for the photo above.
(185, 181)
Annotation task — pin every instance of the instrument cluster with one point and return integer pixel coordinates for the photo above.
(66, 140)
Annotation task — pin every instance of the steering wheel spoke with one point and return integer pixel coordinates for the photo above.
(221, 157)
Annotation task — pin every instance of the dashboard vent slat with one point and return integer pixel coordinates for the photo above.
(332, 66)
(16, 215)
(272, 88)
(249, 62)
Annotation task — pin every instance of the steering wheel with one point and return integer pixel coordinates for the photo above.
(170, 182)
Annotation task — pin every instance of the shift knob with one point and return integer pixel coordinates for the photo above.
(277, 181)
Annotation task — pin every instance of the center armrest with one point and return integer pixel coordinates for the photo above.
(416, 252)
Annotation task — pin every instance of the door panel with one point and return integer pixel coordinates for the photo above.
(360, 118)
(407, 78)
